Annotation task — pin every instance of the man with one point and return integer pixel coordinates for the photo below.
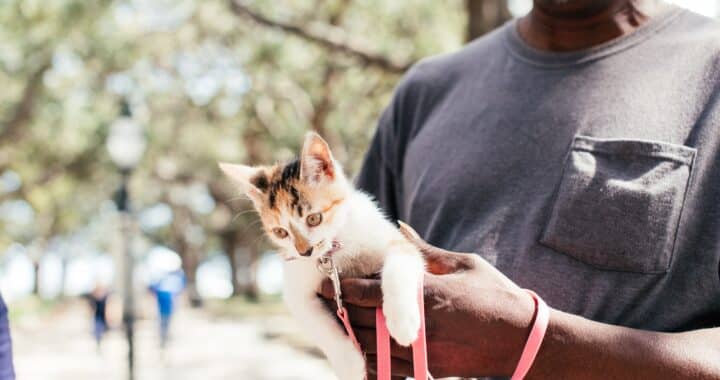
(576, 150)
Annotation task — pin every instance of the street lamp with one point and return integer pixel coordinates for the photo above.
(126, 144)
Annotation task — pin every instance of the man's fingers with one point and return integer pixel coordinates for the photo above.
(399, 368)
(361, 316)
(438, 260)
(373, 376)
(409, 232)
(363, 292)
(368, 343)
(326, 289)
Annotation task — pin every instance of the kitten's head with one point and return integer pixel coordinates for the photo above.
(301, 203)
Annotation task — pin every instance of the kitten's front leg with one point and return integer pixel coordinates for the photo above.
(401, 276)
(321, 324)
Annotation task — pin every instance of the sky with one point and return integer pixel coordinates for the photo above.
(710, 8)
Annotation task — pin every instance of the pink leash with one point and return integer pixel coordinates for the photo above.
(420, 367)
(537, 334)
(327, 267)
(383, 342)
(527, 358)
(343, 315)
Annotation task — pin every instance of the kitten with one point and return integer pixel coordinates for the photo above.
(307, 207)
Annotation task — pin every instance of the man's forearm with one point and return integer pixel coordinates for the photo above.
(578, 348)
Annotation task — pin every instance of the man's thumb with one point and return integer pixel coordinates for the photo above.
(438, 260)
(408, 232)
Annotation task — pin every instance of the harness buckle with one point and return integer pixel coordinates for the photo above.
(327, 267)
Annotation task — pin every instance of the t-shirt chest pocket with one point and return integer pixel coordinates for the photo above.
(619, 202)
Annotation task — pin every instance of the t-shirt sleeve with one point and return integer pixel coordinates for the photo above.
(381, 172)
(378, 174)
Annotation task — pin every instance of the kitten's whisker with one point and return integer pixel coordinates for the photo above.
(240, 214)
(243, 196)
(254, 223)
(260, 236)
(250, 225)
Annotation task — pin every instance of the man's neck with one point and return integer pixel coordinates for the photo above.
(580, 24)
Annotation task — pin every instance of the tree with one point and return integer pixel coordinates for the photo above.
(484, 16)
(217, 80)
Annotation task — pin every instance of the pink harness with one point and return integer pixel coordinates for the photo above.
(327, 266)
(420, 369)
(419, 347)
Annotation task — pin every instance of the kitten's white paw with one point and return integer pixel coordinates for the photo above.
(403, 320)
(348, 363)
(400, 278)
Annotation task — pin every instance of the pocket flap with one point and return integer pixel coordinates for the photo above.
(619, 202)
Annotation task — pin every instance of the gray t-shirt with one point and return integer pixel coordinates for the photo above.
(592, 177)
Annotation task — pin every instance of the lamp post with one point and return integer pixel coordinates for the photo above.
(126, 144)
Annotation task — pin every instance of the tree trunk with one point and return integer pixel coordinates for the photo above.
(188, 254)
(229, 242)
(249, 286)
(23, 112)
(189, 266)
(36, 269)
(251, 291)
(484, 16)
(63, 275)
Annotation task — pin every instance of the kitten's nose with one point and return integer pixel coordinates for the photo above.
(307, 253)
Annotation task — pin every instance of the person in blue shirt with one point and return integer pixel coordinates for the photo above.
(98, 302)
(165, 290)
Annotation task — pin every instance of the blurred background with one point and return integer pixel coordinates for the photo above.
(113, 115)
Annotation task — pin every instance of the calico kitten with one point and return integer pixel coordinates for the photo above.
(307, 207)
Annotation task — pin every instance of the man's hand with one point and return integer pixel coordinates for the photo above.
(477, 320)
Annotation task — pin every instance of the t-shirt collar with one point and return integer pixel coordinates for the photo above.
(522, 51)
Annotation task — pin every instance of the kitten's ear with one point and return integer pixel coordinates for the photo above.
(249, 179)
(316, 161)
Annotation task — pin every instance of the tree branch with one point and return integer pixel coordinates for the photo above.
(24, 109)
(338, 44)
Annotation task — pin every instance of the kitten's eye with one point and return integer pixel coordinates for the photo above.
(280, 232)
(314, 219)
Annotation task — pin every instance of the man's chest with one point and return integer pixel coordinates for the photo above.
(505, 166)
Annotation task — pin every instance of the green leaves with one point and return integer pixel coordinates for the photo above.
(207, 84)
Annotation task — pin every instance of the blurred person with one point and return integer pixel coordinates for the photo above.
(576, 152)
(165, 290)
(98, 299)
(7, 370)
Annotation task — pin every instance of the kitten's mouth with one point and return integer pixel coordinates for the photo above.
(334, 247)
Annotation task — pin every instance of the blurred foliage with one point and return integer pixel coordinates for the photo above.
(208, 83)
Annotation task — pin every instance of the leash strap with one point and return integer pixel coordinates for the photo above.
(343, 315)
(420, 364)
(326, 266)
(537, 334)
(420, 367)
(383, 346)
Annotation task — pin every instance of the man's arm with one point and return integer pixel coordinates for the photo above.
(576, 347)
(478, 321)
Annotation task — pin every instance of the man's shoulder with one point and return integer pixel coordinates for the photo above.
(696, 32)
(440, 71)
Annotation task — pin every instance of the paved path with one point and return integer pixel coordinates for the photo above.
(59, 347)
